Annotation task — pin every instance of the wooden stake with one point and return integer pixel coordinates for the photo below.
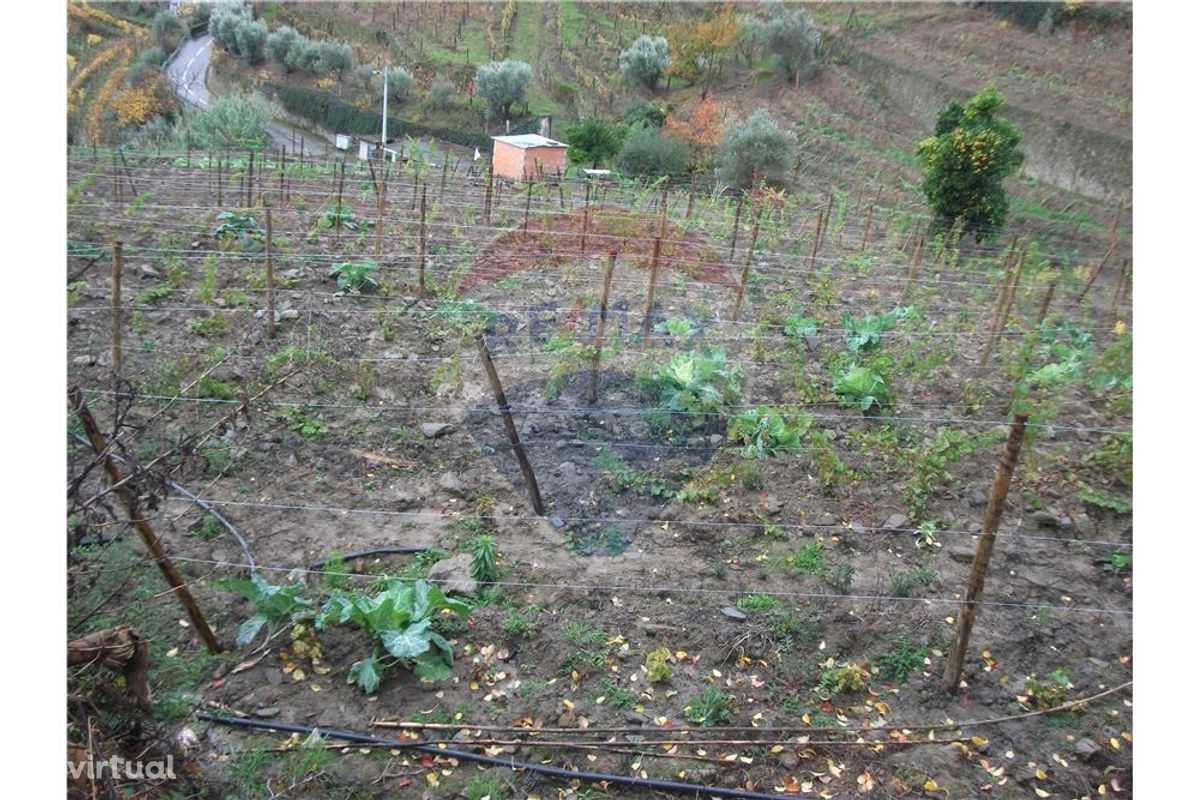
(736, 224)
(816, 240)
(1111, 250)
(1120, 292)
(497, 389)
(487, 199)
(282, 161)
(219, 172)
(188, 139)
(1044, 310)
(690, 199)
(128, 498)
(117, 359)
(381, 193)
(593, 382)
(653, 275)
(1007, 298)
(445, 168)
(917, 259)
(423, 241)
(270, 278)
(250, 182)
(866, 230)
(982, 555)
(586, 213)
(341, 182)
(749, 255)
(528, 202)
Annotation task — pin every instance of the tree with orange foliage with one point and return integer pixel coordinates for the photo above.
(697, 47)
(702, 130)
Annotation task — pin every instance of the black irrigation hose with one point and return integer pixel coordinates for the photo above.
(692, 789)
(379, 551)
(245, 547)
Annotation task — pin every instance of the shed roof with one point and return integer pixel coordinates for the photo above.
(526, 140)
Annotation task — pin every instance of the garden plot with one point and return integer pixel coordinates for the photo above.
(788, 554)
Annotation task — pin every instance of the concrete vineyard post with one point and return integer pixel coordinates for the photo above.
(128, 499)
(593, 382)
(501, 401)
(982, 555)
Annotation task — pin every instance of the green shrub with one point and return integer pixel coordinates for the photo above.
(710, 709)
(657, 665)
(907, 583)
(809, 559)
(901, 660)
(648, 154)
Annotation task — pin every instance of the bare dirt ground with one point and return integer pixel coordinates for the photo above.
(657, 529)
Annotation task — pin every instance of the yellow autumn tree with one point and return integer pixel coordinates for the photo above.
(696, 48)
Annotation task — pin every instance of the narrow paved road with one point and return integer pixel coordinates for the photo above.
(188, 72)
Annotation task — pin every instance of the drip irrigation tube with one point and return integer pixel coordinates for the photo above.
(378, 551)
(226, 524)
(678, 787)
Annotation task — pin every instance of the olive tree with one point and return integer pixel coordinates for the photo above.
(793, 40)
(399, 83)
(754, 151)
(279, 44)
(645, 61)
(502, 84)
(169, 30)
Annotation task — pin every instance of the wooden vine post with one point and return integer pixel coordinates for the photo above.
(282, 164)
(749, 256)
(690, 198)
(1003, 303)
(866, 229)
(982, 555)
(586, 213)
(736, 224)
(270, 278)
(219, 179)
(381, 192)
(250, 182)
(914, 269)
(528, 202)
(341, 182)
(593, 381)
(816, 239)
(423, 241)
(653, 274)
(487, 198)
(497, 389)
(1044, 310)
(128, 498)
(117, 259)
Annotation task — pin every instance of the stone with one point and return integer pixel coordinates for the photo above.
(1046, 519)
(772, 505)
(557, 521)
(825, 520)
(83, 361)
(734, 613)
(273, 676)
(1085, 525)
(636, 718)
(450, 482)
(434, 430)
(1085, 749)
(978, 498)
(567, 468)
(857, 527)
(453, 574)
(147, 271)
(963, 554)
(267, 712)
(896, 521)
(290, 313)
(715, 440)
